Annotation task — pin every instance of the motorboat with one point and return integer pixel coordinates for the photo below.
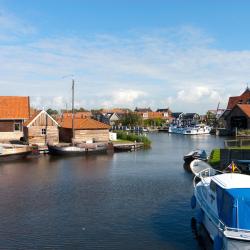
(197, 130)
(175, 129)
(196, 166)
(195, 154)
(223, 202)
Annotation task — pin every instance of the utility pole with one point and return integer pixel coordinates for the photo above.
(73, 110)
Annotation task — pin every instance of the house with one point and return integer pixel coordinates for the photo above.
(41, 129)
(85, 129)
(238, 117)
(188, 119)
(177, 118)
(110, 118)
(244, 98)
(14, 111)
(166, 114)
(84, 114)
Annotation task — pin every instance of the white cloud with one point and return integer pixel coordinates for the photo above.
(176, 67)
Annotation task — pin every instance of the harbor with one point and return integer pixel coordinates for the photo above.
(103, 201)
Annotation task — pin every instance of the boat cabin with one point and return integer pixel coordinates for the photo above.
(232, 194)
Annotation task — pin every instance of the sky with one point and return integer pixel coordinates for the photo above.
(186, 55)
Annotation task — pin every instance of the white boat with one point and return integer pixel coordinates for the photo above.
(224, 205)
(14, 151)
(196, 166)
(175, 129)
(197, 130)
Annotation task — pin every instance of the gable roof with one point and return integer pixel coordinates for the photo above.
(243, 98)
(36, 115)
(245, 108)
(83, 123)
(176, 114)
(14, 107)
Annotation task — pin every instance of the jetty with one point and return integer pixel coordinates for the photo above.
(130, 146)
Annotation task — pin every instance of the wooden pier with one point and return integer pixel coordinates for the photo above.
(132, 146)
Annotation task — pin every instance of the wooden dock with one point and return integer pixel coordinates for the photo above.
(133, 146)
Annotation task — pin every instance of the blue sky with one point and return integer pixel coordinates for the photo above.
(186, 55)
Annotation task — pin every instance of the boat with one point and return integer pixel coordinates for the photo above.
(174, 129)
(9, 152)
(223, 202)
(197, 130)
(78, 149)
(196, 166)
(195, 154)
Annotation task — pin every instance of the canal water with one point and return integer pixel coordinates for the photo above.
(132, 200)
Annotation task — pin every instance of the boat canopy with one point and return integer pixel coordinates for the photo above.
(234, 207)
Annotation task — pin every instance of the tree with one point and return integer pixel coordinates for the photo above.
(131, 119)
(52, 111)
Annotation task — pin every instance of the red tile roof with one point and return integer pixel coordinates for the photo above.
(14, 107)
(243, 98)
(78, 114)
(245, 108)
(82, 123)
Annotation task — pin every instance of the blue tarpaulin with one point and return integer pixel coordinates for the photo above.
(234, 207)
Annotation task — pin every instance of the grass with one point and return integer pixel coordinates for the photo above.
(130, 137)
(214, 158)
(242, 147)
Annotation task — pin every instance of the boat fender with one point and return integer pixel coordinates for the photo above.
(200, 216)
(193, 202)
(218, 241)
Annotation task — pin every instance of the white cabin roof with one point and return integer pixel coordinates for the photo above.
(232, 180)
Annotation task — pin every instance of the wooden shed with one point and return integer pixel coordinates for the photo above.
(85, 129)
(41, 129)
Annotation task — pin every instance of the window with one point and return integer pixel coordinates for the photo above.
(213, 186)
(17, 127)
(44, 132)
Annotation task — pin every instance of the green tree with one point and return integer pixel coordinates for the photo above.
(131, 119)
(52, 111)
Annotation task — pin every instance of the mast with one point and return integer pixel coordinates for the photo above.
(73, 110)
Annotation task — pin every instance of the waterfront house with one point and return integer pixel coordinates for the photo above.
(244, 98)
(238, 117)
(166, 114)
(236, 114)
(14, 111)
(85, 129)
(189, 119)
(177, 118)
(41, 129)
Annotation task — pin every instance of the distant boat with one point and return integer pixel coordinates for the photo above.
(198, 129)
(9, 152)
(199, 154)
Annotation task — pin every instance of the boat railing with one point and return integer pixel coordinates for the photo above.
(208, 172)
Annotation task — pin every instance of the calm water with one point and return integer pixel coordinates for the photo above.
(135, 200)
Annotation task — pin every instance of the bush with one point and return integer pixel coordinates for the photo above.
(214, 158)
(133, 137)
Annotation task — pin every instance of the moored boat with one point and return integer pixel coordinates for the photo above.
(195, 154)
(9, 152)
(196, 166)
(81, 149)
(223, 201)
(197, 130)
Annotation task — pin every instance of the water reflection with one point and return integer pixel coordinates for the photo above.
(201, 235)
